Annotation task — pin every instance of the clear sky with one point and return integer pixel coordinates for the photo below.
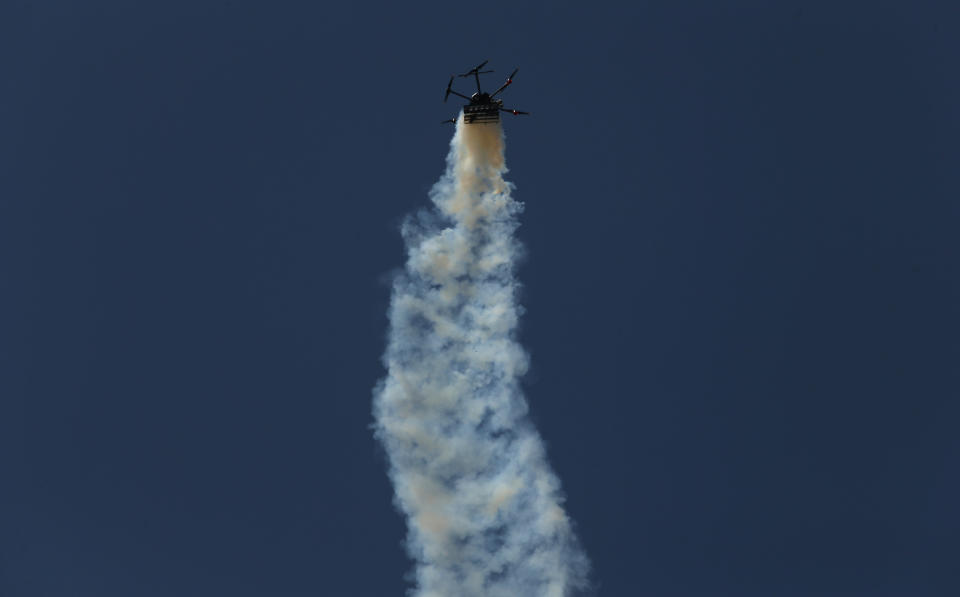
(741, 287)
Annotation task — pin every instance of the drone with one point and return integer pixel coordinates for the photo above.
(483, 107)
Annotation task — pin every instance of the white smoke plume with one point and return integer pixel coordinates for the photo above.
(484, 509)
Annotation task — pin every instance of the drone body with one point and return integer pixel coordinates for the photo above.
(483, 107)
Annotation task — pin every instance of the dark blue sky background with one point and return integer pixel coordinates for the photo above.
(741, 288)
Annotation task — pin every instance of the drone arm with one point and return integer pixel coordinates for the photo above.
(459, 95)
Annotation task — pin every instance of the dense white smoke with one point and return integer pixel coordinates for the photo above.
(483, 507)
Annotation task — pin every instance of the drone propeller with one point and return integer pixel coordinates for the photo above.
(449, 88)
(505, 85)
(515, 112)
(476, 70)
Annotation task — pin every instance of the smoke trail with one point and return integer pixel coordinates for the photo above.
(483, 507)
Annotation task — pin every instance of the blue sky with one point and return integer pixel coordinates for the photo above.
(740, 287)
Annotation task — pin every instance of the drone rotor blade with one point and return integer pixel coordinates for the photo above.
(507, 84)
(449, 90)
(475, 70)
(515, 112)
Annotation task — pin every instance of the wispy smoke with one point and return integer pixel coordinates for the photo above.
(483, 507)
